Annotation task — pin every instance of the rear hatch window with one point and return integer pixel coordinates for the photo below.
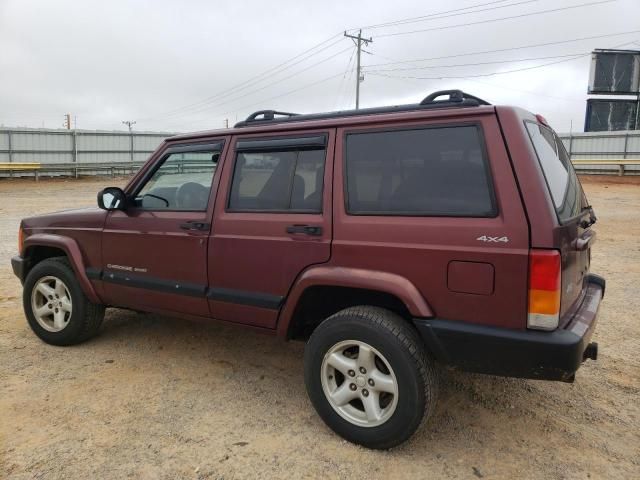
(562, 181)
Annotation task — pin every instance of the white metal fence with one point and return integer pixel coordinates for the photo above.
(623, 145)
(65, 152)
(58, 151)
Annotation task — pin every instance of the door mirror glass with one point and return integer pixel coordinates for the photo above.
(112, 198)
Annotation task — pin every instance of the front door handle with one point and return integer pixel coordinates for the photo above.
(195, 225)
(313, 230)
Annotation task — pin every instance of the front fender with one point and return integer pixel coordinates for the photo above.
(71, 248)
(323, 275)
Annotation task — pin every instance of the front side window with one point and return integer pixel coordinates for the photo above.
(182, 182)
(438, 171)
(562, 181)
(286, 180)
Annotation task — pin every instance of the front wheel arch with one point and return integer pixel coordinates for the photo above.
(40, 246)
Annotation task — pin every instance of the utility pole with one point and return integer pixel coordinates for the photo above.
(129, 124)
(358, 41)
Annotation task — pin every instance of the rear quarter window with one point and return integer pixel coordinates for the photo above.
(435, 171)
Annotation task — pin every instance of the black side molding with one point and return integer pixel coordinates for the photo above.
(149, 283)
(93, 273)
(254, 299)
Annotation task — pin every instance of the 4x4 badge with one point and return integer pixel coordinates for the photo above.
(485, 238)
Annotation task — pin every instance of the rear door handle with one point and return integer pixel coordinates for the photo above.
(195, 225)
(313, 230)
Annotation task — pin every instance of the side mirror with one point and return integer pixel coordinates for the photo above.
(112, 198)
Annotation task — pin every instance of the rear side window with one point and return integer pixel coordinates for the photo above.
(564, 187)
(280, 181)
(422, 172)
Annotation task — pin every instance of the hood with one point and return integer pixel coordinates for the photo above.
(91, 217)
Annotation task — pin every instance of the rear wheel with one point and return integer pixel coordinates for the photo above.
(57, 309)
(369, 377)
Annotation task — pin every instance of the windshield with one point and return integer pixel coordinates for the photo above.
(561, 178)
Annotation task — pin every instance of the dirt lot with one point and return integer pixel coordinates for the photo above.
(155, 397)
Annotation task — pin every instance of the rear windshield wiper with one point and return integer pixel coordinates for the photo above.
(592, 217)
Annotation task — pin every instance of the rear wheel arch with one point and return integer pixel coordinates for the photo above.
(318, 302)
(330, 289)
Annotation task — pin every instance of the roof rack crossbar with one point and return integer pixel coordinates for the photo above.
(456, 99)
(268, 115)
(456, 96)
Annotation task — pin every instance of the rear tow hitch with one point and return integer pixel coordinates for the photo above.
(591, 351)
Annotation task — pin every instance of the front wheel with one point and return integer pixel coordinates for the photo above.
(369, 377)
(57, 309)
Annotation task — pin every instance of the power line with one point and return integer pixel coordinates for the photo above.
(287, 64)
(478, 75)
(446, 14)
(508, 49)
(289, 92)
(476, 63)
(209, 102)
(215, 105)
(247, 84)
(491, 20)
(527, 92)
(441, 77)
(258, 77)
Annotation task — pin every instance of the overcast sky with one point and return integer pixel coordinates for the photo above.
(189, 65)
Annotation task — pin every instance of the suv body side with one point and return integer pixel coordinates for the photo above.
(460, 278)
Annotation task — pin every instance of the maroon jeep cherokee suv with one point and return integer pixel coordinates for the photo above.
(392, 240)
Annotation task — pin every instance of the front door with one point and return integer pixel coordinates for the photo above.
(155, 253)
(272, 220)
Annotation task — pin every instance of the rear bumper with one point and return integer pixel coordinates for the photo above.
(19, 266)
(540, 355)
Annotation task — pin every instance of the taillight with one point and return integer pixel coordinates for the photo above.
(544, 289)
(20, 239)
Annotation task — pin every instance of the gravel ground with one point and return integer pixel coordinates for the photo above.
(155, 397)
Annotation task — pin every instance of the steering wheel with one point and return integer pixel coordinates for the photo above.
(192, 196)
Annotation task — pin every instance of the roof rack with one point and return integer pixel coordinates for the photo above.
(456, 98)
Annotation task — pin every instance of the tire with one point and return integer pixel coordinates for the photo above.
(69, 317)
(390, 416)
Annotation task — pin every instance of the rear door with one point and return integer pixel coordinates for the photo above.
(272, 220)
(572, 235)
